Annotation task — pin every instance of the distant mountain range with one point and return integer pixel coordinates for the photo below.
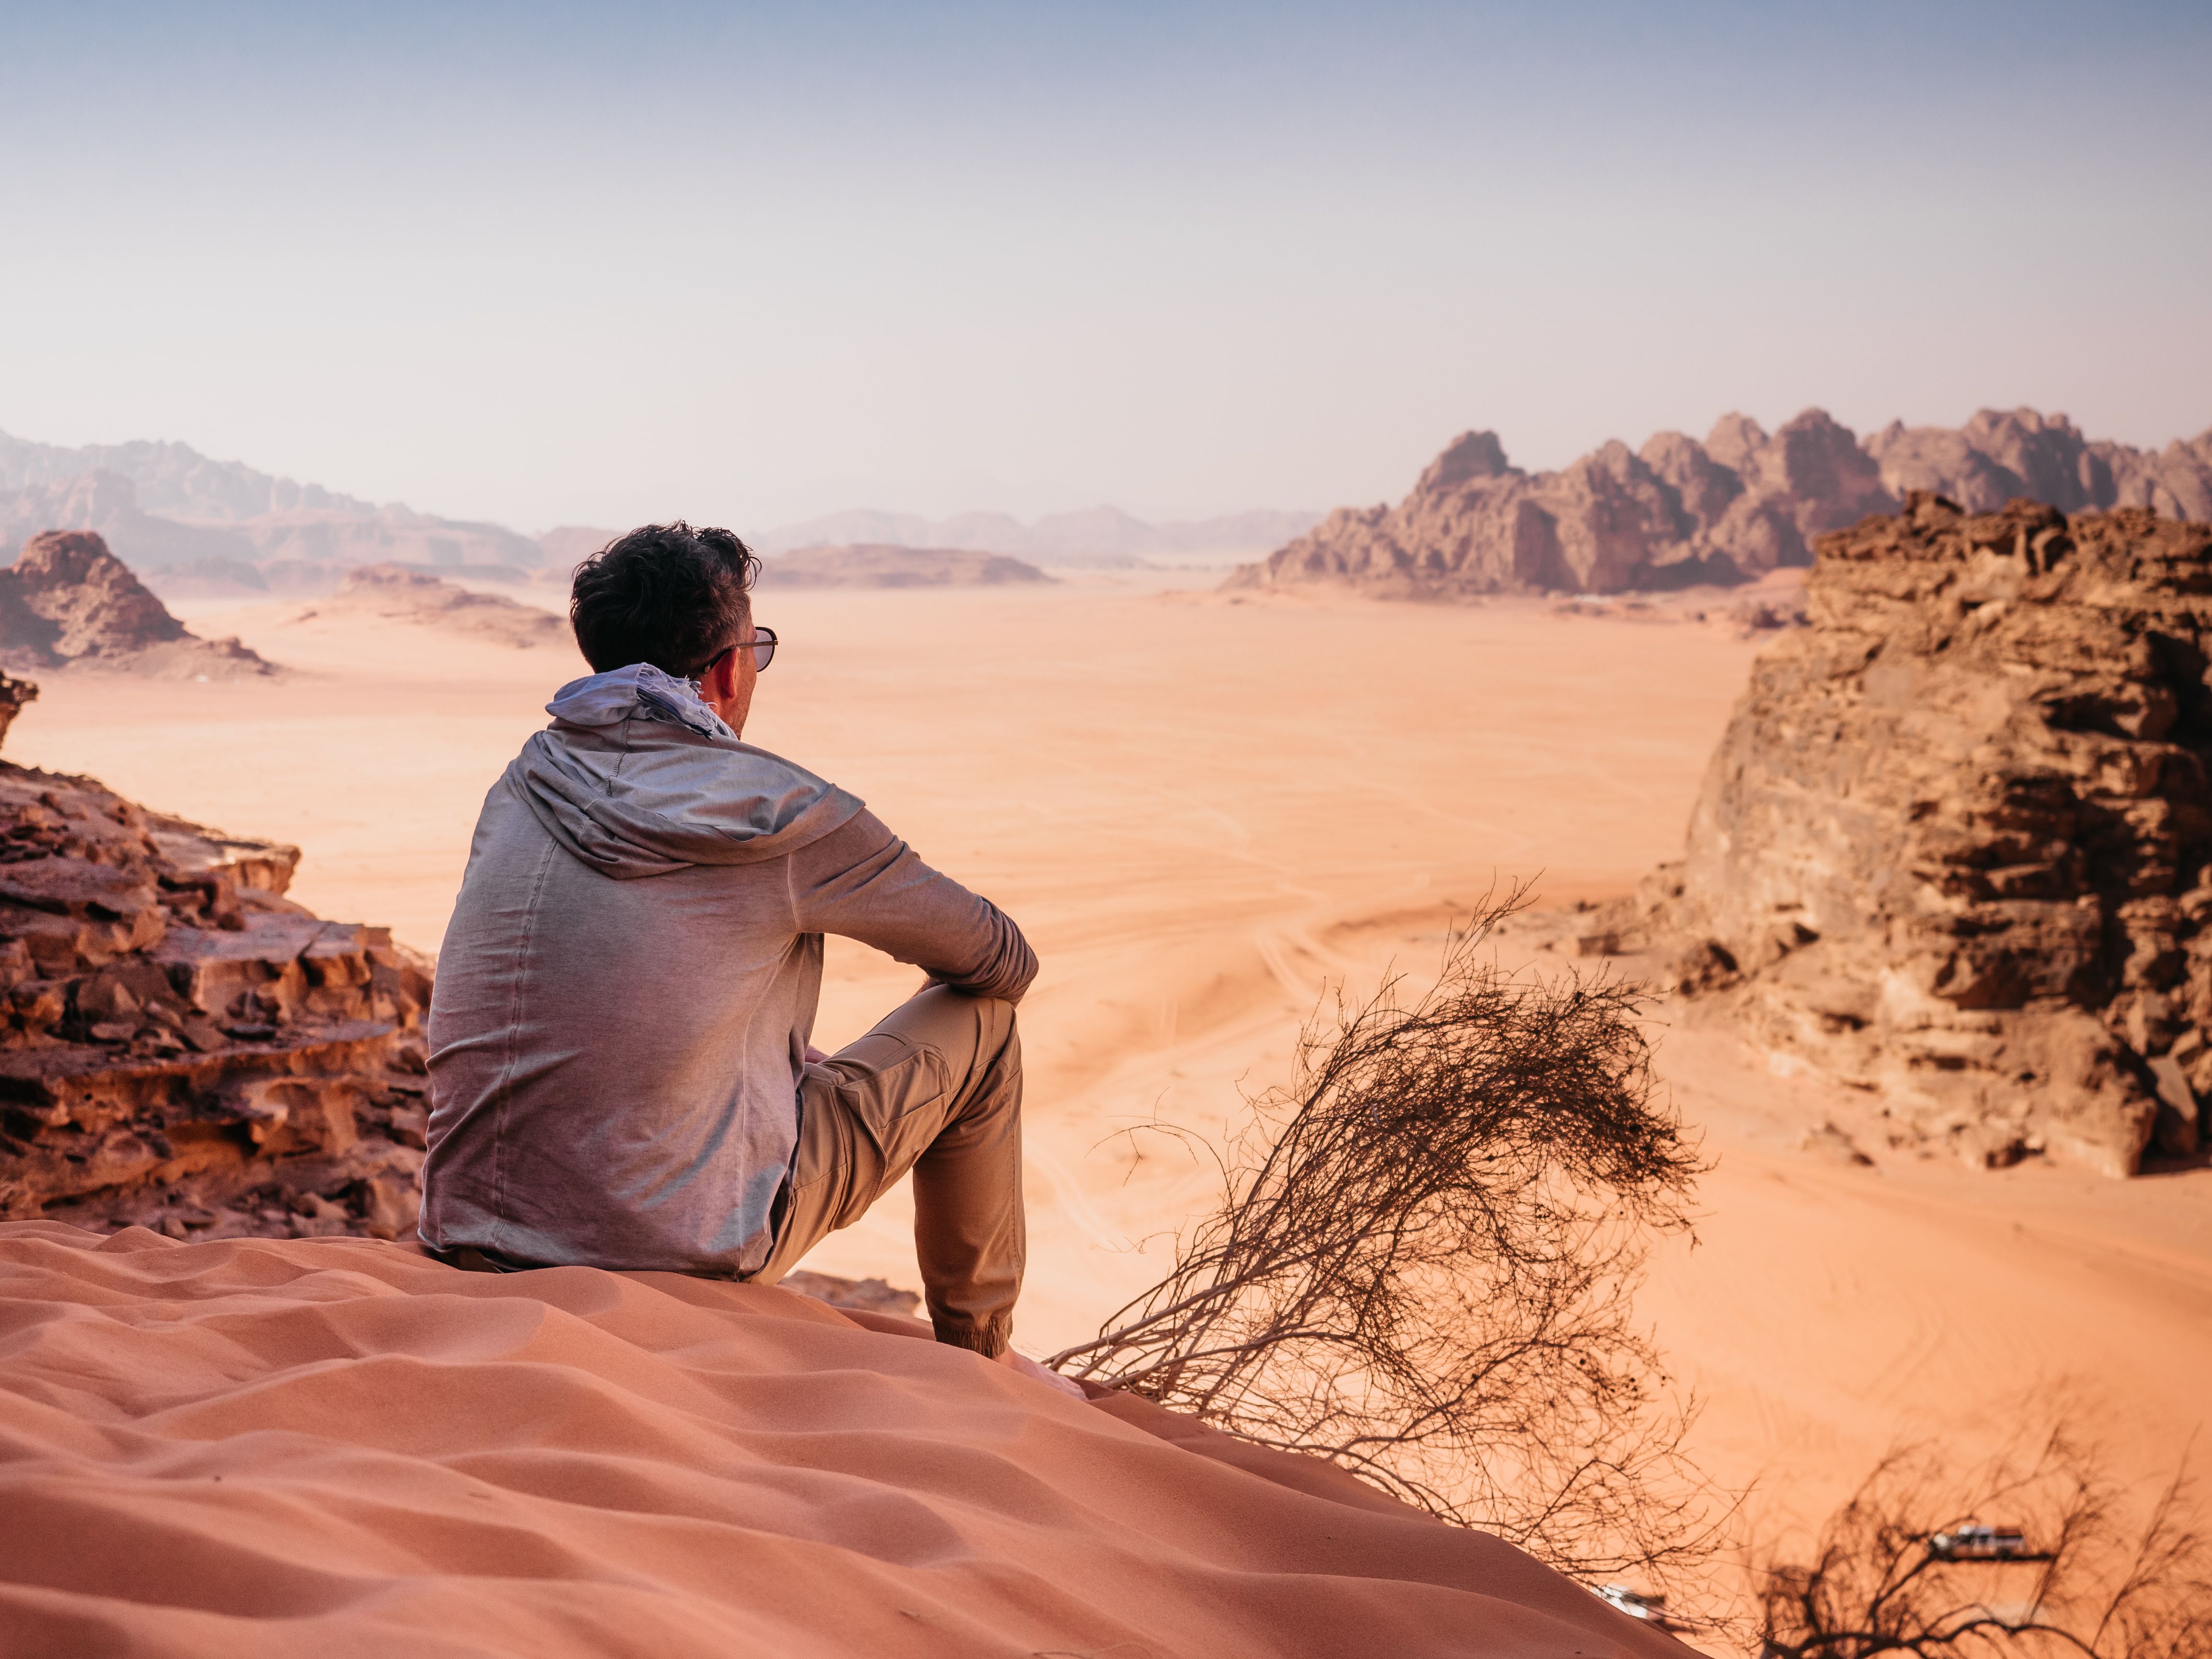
(1745, 501)
(162, 506)
(213, 526)
(1674, 513)
(170, 478)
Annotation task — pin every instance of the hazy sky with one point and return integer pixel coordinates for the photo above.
(550, 263)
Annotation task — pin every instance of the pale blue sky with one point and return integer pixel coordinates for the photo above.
(547, 263)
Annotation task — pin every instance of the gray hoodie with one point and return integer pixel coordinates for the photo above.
(629, 982)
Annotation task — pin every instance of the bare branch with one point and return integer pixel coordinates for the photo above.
(1888, 1573)
(1422, 1260)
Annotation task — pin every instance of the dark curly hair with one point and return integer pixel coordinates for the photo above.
(666, 594)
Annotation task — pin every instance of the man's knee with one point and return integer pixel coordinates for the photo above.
(1001, 1034)
(998, 1045)
(968, 1034)
(994, 1013)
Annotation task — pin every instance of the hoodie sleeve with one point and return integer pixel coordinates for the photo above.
(864, 882)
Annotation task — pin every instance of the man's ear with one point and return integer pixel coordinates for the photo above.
(721, 683)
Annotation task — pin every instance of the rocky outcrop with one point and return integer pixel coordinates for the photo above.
(398, 594)
(88, 602)
(68, 599)
(184, 1047)
(867, 1294)
(884, 565)
(1956, 846)
(1678, 512)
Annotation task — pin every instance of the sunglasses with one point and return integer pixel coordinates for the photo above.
(763, 654)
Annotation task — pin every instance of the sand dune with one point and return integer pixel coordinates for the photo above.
(1204, 812)
(337, 1447)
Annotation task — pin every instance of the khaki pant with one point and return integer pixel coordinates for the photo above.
(935, 1088)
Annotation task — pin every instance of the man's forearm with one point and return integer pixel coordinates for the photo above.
(861, 881)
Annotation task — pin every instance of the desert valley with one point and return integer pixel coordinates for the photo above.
(1212, 810)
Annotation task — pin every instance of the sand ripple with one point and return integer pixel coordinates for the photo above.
(337, 1446)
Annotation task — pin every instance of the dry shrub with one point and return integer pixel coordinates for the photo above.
(1422, 1259)
(2093, 1582)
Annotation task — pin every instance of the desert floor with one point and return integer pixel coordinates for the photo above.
(1206, 812)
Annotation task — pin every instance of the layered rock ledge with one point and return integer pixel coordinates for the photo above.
(185, 1049)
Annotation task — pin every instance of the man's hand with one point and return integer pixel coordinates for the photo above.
(814, 1055)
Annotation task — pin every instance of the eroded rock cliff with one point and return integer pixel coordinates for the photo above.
(1953, 848)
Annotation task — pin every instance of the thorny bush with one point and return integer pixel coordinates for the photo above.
(1422, 1260)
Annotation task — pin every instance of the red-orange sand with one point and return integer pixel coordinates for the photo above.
(336, 1448)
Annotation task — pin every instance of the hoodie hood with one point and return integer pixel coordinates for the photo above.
(640, 690)
(637, 777)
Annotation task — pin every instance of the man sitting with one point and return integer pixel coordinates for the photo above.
(620, 1073)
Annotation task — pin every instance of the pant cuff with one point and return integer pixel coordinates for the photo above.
(991, 1340)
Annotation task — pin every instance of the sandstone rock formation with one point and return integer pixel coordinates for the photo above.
(400, 594)
(2000, 457)
(68, 599)
(92, 605)
(183, 1046)
(884, 565)
(1678, 513)
(1956, 846)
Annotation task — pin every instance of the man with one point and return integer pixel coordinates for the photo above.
(620, 1070)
